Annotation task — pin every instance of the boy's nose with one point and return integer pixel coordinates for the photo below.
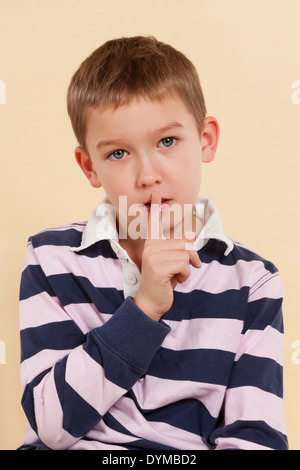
(148, 175)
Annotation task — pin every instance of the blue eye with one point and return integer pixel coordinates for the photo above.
(117, 154)
(167, 142)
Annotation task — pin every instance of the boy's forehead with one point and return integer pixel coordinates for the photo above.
(168, 112)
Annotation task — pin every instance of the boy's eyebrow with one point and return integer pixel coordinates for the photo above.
(106, 143)
(169, 127)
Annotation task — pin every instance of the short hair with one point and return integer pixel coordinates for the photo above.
(129, 67)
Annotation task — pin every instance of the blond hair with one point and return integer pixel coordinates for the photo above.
(126, 68)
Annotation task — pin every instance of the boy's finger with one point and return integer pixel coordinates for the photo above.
(193, 255)
(155, 231)
(194, 259)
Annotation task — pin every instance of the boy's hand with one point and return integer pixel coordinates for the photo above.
(164, 264)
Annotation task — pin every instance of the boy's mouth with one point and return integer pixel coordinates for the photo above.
(164, 204)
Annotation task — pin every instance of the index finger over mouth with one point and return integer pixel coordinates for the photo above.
(155, 231)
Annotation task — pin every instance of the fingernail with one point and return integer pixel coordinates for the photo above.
(189, 236)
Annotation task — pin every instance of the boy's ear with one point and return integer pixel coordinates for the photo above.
(209, 139)
(85, 163)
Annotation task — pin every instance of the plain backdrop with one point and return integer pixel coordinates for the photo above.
(247, 56)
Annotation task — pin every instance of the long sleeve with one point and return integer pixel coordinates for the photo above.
(71, 378)
(253, 416)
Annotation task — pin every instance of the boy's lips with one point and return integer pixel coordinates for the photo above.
(165, 202)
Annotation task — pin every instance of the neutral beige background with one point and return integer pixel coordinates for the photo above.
(247, 55)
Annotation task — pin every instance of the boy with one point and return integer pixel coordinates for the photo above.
(132, 342)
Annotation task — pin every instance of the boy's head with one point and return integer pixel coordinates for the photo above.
(127, 68)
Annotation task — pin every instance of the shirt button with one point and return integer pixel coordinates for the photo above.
(131, 279)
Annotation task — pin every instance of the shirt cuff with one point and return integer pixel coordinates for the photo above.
(132, 335)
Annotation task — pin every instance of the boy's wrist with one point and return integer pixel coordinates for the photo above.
(147, 307)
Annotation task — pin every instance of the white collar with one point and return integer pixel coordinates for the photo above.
(102, 226)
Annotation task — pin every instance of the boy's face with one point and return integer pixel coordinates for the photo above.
(147, 147)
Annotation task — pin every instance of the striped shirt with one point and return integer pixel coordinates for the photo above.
(97, 373)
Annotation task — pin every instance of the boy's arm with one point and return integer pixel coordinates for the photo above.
(69, 379)
(253, 407)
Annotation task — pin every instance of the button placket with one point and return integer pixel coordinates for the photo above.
(131, 278)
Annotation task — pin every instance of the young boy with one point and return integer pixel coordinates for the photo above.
(147, 327)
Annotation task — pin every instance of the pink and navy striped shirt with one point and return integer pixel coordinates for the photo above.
(97, 373)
